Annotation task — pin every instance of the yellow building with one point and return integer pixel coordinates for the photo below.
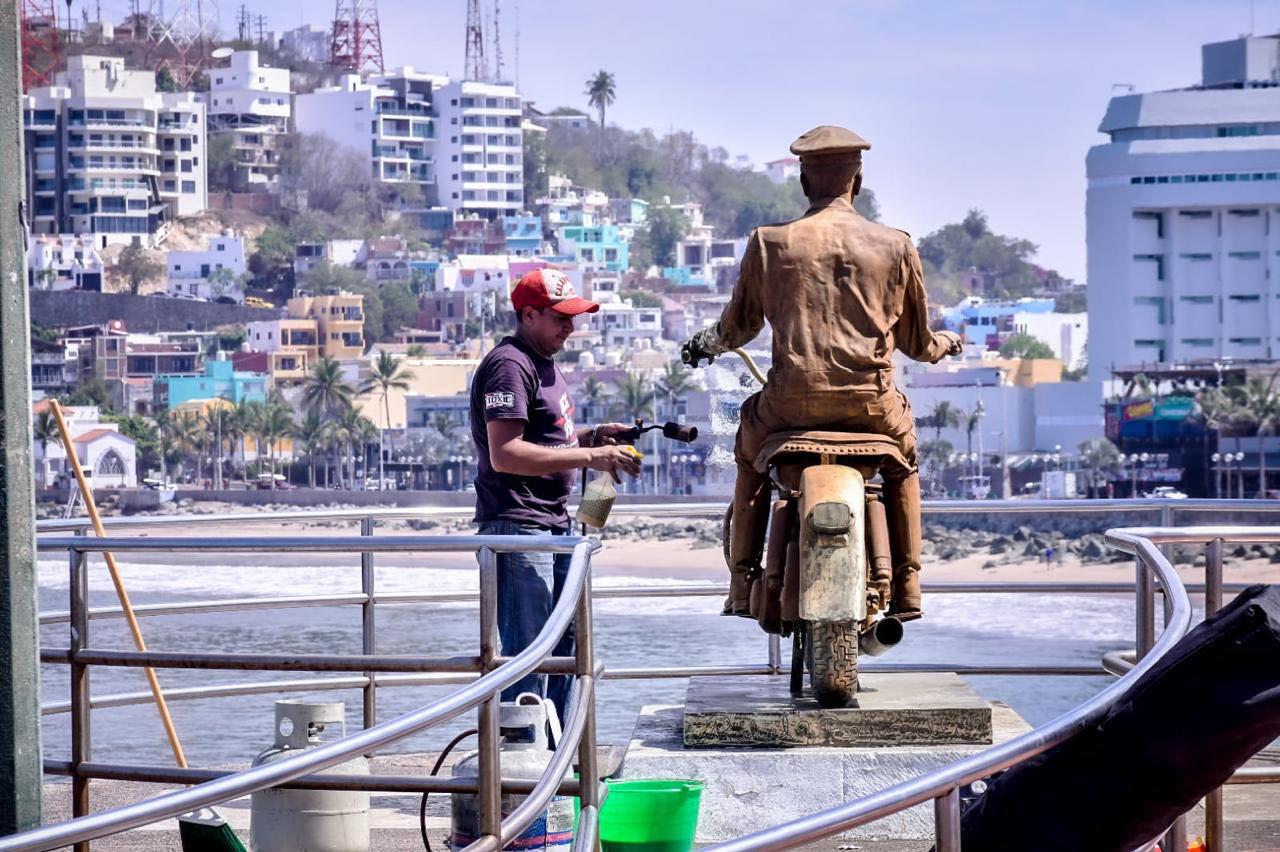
(426, 377)
(339, 322)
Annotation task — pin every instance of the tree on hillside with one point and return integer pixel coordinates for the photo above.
(1023, 345)
(137, 266)
(325, 390)
(330, 176)
(221, 157)
(655, 242)
(642, 298)
(1003, 264)
(601, 92)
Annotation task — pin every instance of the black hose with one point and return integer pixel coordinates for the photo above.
(422, 810)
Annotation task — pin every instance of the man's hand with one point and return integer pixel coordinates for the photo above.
(607, 434)
(955, 342)
(615, 459)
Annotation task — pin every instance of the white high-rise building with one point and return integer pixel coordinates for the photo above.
(109, 156)
(480, 151)
(388, 120)
(251, 104)
(1183, 217)
(460, 141)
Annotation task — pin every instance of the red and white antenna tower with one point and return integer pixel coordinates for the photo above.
(41, 42)
(477, 68)
(181, 41)
(356, 42)
(497, 39)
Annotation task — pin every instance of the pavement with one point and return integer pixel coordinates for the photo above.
(1252, 816)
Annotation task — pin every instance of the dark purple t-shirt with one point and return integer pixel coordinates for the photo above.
(516, 383)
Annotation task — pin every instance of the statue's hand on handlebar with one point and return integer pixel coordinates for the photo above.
(700, 346)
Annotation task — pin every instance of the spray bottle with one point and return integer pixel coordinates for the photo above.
(598, 496)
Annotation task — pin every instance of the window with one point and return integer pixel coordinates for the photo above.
(1197, 341)
(1245, 297)
(1197, 300)
(1159, 262)
(1246, 341)
(186, 166)
(1245, 255)
(1193, 255)
(188, 186)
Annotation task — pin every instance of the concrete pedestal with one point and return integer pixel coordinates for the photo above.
(892, 710)
(748, 789)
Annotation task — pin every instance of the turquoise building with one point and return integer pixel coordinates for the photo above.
(220, 380)
(596, 247)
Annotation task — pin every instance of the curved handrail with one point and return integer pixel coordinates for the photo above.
(932, 785)
(313, 760)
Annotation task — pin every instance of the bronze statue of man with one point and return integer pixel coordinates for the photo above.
(841, 294)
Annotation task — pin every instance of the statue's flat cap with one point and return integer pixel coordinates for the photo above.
(827, 140)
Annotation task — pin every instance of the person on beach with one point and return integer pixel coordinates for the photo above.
(528, 450)
(841, 293)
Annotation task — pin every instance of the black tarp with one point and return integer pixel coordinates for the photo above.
(1209, 705)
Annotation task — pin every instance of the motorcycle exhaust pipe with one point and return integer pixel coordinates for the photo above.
(882, 636)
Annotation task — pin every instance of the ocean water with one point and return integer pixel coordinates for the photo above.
(972, 629)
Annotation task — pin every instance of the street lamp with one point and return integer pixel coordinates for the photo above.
(1240, 473)
(460, 461)
(1216, 458)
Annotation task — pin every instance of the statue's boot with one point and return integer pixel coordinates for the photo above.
(746, 537)
(902, 498)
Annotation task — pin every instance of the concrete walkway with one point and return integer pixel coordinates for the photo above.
(1252, 814)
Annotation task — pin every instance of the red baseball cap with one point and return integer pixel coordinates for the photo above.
(550, 288)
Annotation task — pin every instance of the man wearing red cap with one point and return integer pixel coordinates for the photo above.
(528, 449)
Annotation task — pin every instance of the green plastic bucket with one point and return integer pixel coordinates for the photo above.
(650, 816)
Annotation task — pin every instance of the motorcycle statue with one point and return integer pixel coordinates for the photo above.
(826, 578)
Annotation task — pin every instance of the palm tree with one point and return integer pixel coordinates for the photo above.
(1100, 458)
(387, 374)
(635, 397)
(325, 390)
(354, 430)
(1262, 404)
(593, 392)
(218, 419)
(44, 430)
(185, 430)
(676, 381)
(942, 415)
(601, 93)
(312, 434)
(277, 423)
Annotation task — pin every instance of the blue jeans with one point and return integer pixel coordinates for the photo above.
(529, 584)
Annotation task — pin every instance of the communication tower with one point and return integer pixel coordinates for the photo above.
(356, 43)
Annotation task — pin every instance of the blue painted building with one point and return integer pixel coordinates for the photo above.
(524, 234)
(220, 381)
(977, 318)
(596, 248)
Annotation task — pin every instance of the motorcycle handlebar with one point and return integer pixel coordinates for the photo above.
(674, 431)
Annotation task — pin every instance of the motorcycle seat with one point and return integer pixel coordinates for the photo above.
(879, 450)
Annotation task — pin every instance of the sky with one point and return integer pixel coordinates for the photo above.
(990, 104)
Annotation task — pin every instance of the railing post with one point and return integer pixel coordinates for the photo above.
(1144, 589)
(20, 764)
(487, 724)
(946, 821)
(775, 654)
(1176, 837)
(368, 625)
(81, 726)
(1214, 829)
(588, 773)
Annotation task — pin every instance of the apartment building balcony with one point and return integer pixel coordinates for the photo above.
(44, 185)
(111, 145)
(108, 123)
(39, 119)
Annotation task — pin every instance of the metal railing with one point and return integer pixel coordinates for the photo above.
(369, 672)
(1153, 573)
(495, 674)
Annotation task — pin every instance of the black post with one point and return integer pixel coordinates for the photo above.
(20, 767)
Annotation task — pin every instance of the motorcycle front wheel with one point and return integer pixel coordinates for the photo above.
(833, 662)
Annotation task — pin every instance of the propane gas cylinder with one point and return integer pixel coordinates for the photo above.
(310, 820)
(524, 755)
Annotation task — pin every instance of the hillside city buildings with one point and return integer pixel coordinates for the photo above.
(1183, 203)
(110, 156)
